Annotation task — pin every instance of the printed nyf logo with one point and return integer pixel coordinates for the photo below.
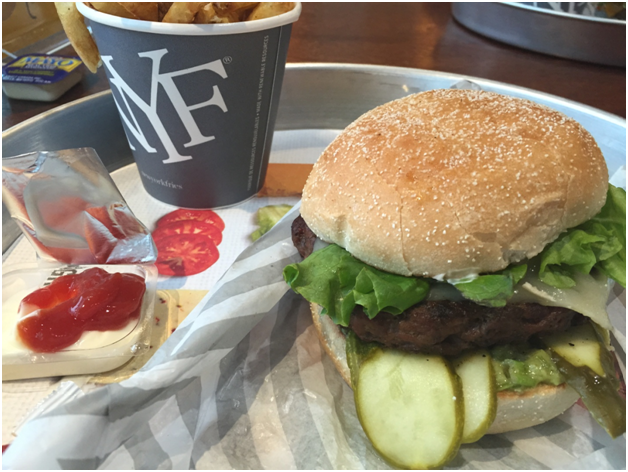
(166, 81)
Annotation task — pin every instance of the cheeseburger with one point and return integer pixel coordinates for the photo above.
(459, 247)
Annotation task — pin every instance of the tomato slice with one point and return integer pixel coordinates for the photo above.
(206, 216)
(185, 254)
(189, 227)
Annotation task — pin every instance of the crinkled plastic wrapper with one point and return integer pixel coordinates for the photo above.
(67, 205)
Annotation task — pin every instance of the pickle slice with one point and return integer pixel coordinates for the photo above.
(588, 367)
(410, 407)
(479, 391)
(579, 346)
(599, 394)
(357, 352)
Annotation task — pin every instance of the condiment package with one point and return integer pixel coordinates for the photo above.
(95, 274)
(40, 77)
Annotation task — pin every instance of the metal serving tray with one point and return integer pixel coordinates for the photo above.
(557, 33)
(314, 96)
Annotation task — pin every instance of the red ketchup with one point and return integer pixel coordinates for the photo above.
(54, 317)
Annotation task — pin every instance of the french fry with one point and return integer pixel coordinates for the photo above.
(206, 15)
(232, 12)
(268, 9)
(183, 12)
(147, 11)
(230, 17)
(222, 8)
(78, 34)
(113, 8)
(163, 9)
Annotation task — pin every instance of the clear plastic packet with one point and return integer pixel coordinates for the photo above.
(68, 206)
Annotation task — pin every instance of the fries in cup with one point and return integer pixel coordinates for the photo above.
(166, 12)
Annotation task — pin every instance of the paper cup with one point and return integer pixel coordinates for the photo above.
(197, 102)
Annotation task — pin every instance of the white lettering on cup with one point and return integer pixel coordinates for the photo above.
(150, 109)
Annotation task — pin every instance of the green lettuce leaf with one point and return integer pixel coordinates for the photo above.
(338, 282)
(598, 243)
(493, 289)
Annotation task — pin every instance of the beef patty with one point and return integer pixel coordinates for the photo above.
(303, 237)
(449, 327)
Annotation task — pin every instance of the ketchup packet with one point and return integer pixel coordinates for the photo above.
(67, 205)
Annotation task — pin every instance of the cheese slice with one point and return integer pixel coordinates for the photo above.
(588, 297)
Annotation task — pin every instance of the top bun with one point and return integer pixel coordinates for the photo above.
(454, 182)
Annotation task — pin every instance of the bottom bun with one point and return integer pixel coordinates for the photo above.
(514, 410)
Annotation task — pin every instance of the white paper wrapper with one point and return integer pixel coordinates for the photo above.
(244, 384)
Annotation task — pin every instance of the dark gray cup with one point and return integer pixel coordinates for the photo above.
(197, 102)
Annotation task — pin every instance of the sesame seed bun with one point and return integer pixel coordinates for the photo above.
(454, 182)
(514, 410)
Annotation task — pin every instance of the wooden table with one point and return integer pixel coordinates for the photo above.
(417, 35)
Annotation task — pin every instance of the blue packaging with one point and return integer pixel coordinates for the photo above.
(42, 77)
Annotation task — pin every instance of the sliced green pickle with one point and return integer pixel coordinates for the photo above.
(479, 391)
(579, 346)
(410, 407)
(357, 352)
(600, 393)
